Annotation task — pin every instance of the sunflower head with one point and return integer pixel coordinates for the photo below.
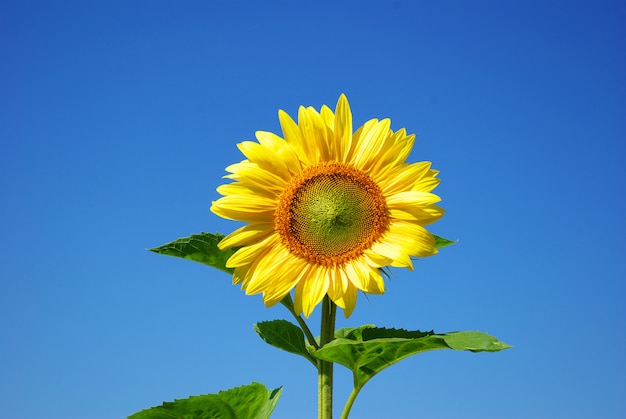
(326, 208)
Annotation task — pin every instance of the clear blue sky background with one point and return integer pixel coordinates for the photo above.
(118, 118)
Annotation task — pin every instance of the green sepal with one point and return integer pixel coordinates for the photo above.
(440, 242)
(286, 336)
(367, 350)
(199, 248)
(253, 401)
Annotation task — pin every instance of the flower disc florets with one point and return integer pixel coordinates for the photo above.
(330, 213)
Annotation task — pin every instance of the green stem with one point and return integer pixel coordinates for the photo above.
(349, 403)
(307, 332)
(288, 302)
(325, 368)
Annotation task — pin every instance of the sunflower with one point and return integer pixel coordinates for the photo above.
(326, 208)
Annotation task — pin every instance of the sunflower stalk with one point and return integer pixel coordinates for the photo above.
(325, 368)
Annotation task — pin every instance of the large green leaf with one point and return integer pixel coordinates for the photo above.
(199, 248)
(284, 335)
(253, 401)
(367, 350)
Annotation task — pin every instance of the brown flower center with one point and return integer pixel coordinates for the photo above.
(330, 214)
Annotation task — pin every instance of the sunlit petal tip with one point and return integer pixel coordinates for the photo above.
(349, 300)
(314, 289)
(288, 125)
(377, 282)
(258, 282)
(342, 104)
(231, 168)
(412, 197)
(217, 210)
(342, 108)
(222, 245)
(283, 115)
(273, 300)
(239, 275)
(244, 146)
(347, 311)
(401, 134)
(246, 235)
(326, 109)
(297, 297)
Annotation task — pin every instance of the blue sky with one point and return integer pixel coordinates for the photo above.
(117, 120)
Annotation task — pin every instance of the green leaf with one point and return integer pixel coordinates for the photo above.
(199, 248)
(252, 401)
(368, 350)
(474, 341)
(286, 336)
(440, 242)
(354, 333)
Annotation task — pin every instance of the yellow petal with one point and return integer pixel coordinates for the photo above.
(247, 235)
(411, 198)
(426, 184)
(314, 289)
(375, 260)
(317, 134)
(258, 180)
(365, 277)
(399, 257)
(338, 285)
(377, 284)
(284, 280)
(402, 178)
(405, 145)
(358, 274)
(264, 273)
(264, 157)
(237, 188)
(343, 128)
(424, 215)
(293, 134)
(240, 274)
(281, 150)
(297, 297)
(328, 117)
(370, 143)
(248, 254)
(240, 188)
(248, 208)
(412, 238)
(392, 156)
(347, 301)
